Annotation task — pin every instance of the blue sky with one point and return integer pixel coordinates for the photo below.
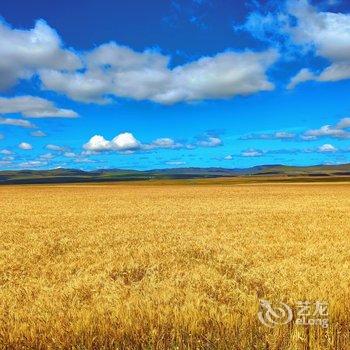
(155, 84)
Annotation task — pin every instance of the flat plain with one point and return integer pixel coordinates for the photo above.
(172, 265)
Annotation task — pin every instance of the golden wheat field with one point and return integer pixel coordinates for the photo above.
(171, 266)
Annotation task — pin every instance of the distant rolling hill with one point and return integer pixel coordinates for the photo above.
(101, 175)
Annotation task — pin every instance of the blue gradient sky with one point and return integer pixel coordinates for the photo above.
(221, 131)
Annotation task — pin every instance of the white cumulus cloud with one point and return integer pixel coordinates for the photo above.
(38, 133)
(298, 26)
(25, 52)
(6, 152)
(56, 148)
(16, 122)
(126, 142)
(252, 153)
(327, 148)
(302, 76)
(33, 107)
(328, 34)
(114, 70)
(337, 131)
(211, 141)
(122, 143)
(164, 142)
(25, 146)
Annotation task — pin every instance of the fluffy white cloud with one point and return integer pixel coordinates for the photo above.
(126, 142)
(343, 123)
(69, 154)
(336, 71)
(33, 107)
(37, 133)
(326, 32)
(284, 135)
(164, 142)
(6, 152)
(296, 25)
(25, 146)
(337, 131)
(327, 148)
(302, 76)
(123, 142)
(114, 70)
(84, 87)
(211, 141)
(224, 75)
(97, 143)
(228, 157)
(252, 153)
(56, 148)
(24, 52)
(16, 122)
